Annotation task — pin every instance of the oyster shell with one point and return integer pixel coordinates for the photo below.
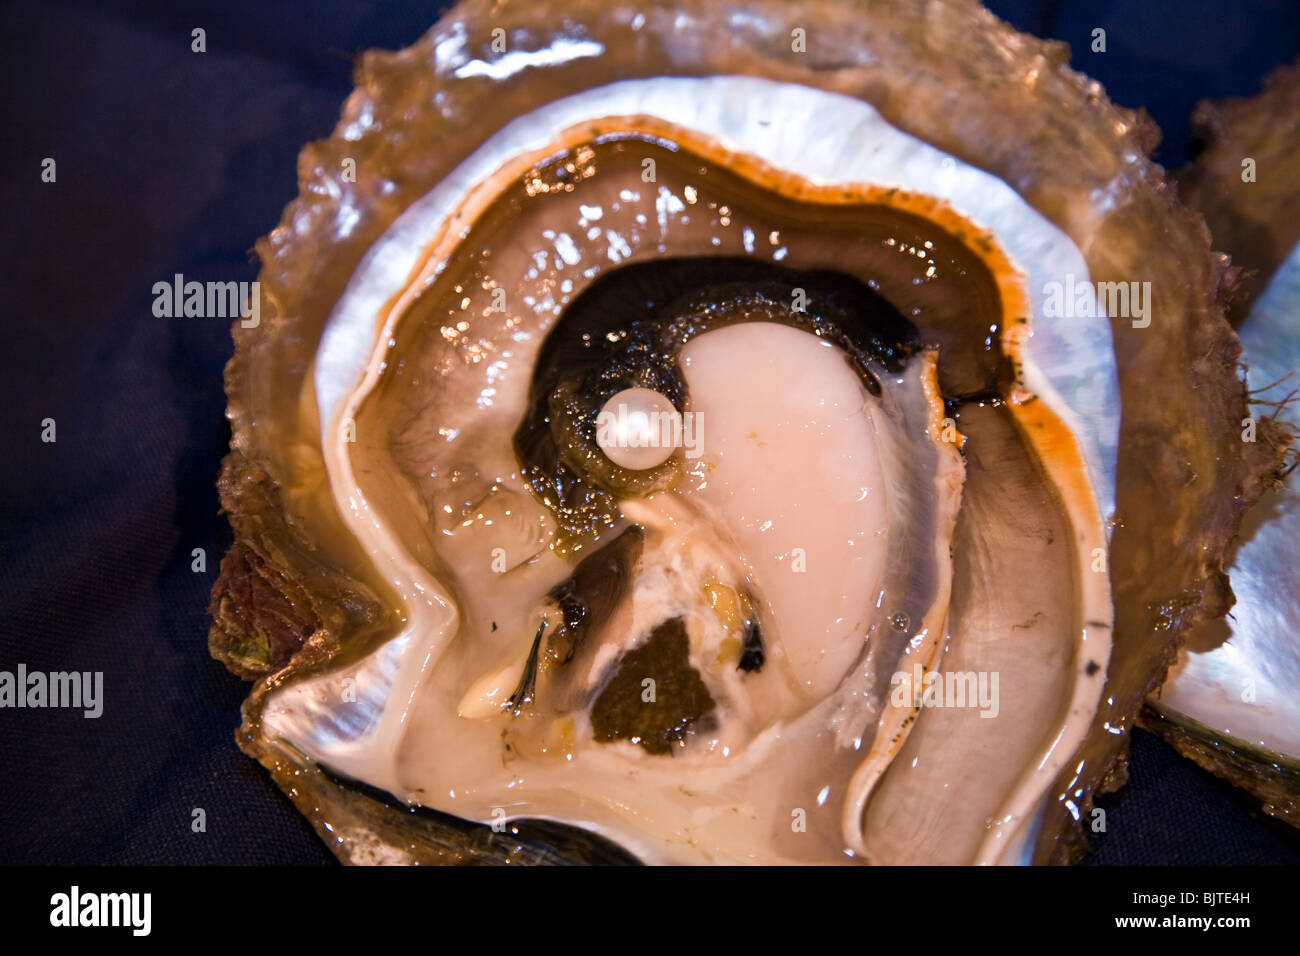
(1229, 702)
(1020, 154)
(1253, 214)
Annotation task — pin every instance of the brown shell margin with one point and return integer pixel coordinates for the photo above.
(1258, 222)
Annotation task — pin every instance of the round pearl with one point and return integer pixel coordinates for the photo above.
(638, 429)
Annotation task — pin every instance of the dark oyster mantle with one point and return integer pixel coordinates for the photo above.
(950, 74)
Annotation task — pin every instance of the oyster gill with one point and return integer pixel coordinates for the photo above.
(1020, 98)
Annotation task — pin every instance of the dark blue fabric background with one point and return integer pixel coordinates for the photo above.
(170, 162)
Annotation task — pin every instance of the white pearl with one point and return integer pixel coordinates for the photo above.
(638, 429)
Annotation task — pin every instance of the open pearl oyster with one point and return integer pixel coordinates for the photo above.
(859, 245)
(1230, 702)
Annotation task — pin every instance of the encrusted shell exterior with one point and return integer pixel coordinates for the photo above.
(1255, 219)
